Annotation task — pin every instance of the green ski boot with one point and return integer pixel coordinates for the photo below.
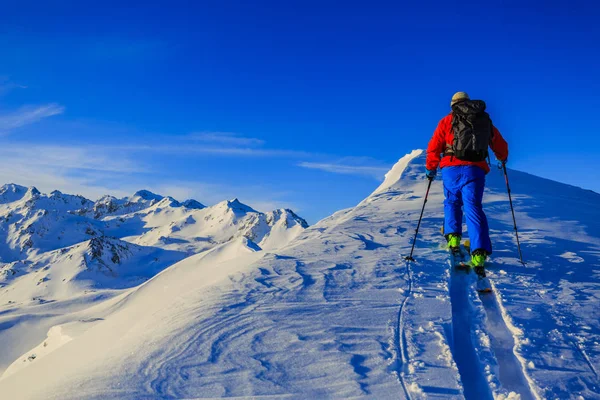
(453, 242)
(478, 258)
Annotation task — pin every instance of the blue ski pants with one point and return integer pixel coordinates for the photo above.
(463, 188)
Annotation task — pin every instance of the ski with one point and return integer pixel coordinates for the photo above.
(483, 282)
(458, 259)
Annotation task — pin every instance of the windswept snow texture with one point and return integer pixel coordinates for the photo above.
(334, 313)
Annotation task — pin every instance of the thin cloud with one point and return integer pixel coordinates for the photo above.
(6, 85)
(181, 149)
(93, 171)
(85, 170)
(92, 158)
(376, 172)
(28, 115)
(217, 144)
(244, 151)
(47, 179)
(227, 138)
(51, 179)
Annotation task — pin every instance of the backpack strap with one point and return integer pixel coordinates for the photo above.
(449, 152)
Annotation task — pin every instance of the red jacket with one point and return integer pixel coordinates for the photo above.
(444, 135)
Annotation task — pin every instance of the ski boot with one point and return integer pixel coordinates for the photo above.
(478, 258)
(453, 242)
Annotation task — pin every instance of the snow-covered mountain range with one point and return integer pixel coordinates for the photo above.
(53, 247)
(146, 297)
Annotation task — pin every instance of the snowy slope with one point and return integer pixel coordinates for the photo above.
(337, 313)
(62, 255)
(101, 262)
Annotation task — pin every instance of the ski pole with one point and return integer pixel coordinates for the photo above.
(513, 213)
(410, 257)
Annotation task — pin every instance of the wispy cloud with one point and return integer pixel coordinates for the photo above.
(6, 85)
(93, 158)
(118, 159)
(226, 138)
(90, 185)
(127, 138)
(28, 115)
(349, 166)
(89, 171)
(237, 151)
(48, 180)
(93, 171)
(192, 149)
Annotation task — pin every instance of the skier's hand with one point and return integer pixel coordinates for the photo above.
(504, 161)
(431, 174)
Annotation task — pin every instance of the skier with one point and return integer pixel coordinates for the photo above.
(462, 138)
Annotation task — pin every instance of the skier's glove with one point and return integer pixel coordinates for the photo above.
(431, 174)
(504, 161)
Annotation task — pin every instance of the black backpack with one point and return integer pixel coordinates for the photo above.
(472, 129)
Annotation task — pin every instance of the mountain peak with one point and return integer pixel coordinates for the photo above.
(145, 195)
(297, 218)
(32, 194)
(168, 201)
(11, 192)
(194, 204)
(410, 166)
(106, 198)
(12, 188)
(285, 214)
(237, 205)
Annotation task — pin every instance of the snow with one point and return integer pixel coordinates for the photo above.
(223, 301)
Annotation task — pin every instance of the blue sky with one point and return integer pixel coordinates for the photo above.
(299, 104)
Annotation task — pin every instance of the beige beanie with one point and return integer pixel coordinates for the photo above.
(459, 96)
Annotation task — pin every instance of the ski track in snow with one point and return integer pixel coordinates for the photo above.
(510, 370)
(401, 344)
(587, 359)
(475, 385)
(338, 314)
